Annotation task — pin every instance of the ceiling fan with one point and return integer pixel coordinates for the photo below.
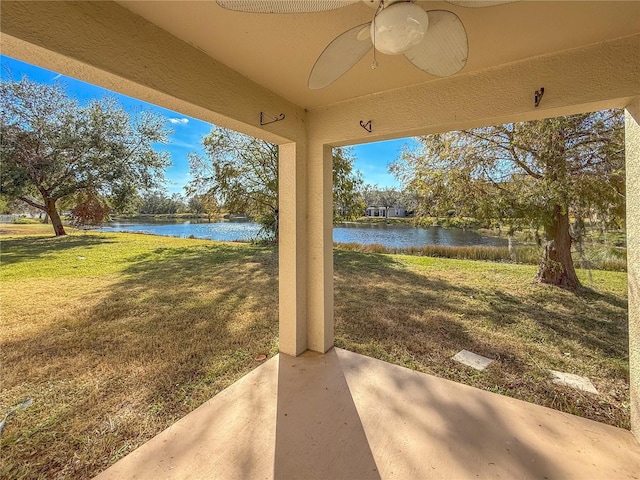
(435, 41)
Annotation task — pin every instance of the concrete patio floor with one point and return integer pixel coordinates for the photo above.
(345, 416)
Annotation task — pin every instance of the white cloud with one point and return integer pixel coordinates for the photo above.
(179, 120)
(182, 144)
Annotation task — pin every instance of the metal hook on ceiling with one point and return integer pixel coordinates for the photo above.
(367, 126)
(538, 96)
(271, 119)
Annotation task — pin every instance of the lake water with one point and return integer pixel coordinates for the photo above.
(405, 236)
(387, 235)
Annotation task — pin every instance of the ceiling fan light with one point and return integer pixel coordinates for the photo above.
(399, 27)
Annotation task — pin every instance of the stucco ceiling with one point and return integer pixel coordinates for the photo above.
(278, 51)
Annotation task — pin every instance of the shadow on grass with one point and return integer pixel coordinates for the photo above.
(193, 315)
(20, 249)
(420, 319)
(384, 286)
(387, 311)
(180, 325)
(589, 294)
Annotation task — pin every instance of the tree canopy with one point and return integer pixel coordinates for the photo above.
(54, 148)
(241, 172)
(374, 195)
(536, 174)
(160, 203)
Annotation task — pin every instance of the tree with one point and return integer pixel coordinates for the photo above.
(195, 205)
(53, 148)
(158, 203)
(210, 206)
(89, 209)
(388, 197)
(348, 202)
(532, 174)
(4, 205)
(241, 172)
(204, 204)
(178, 203)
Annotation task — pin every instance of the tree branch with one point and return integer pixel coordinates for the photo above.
(32, 203)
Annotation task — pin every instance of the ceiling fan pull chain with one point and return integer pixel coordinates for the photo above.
(374, 63)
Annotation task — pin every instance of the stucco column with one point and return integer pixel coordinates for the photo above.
(292, 249)
(305, 248)
(320, 248)
(632, 154)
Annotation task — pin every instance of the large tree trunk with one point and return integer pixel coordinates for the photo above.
(58, 228)
(556, 267)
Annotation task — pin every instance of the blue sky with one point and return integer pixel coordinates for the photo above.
(371, 159)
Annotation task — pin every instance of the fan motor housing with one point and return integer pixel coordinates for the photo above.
(398, 27)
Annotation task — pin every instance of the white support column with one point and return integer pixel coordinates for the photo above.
(632, 154)
(306, 248)
(320, 248)
(292, 248)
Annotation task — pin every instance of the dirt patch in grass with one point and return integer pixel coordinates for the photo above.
(116, 336)
(17, 229)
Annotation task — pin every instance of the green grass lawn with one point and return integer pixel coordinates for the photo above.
(420, 311)
(116, 336)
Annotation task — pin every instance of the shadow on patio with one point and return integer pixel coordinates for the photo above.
(343, 415)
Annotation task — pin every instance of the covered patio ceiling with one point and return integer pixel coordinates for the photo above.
(226, 67)
(278, 51)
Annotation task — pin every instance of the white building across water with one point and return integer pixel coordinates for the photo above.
(387, 212)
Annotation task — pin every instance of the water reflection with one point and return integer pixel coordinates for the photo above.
(223, 231)
(395, 236)
(399, 236)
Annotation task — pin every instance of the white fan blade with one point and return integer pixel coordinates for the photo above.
(339, 56)
(283, 6)
(444, 48)
(479, 3)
